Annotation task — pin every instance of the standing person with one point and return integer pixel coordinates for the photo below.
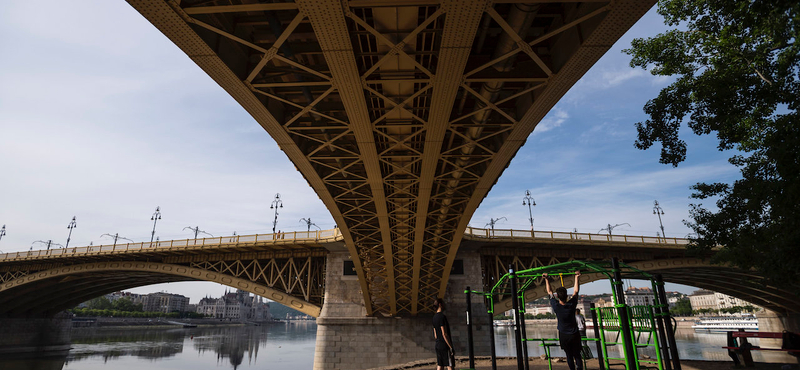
(445, 358)
(581, 321)
(568, 334)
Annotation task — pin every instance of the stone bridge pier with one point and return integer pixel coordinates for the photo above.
(348, 339)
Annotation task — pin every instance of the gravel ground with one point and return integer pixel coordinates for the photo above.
(510, 363)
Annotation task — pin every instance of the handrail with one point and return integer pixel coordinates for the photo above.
(290, 237)
(334, 235)
(567, 235)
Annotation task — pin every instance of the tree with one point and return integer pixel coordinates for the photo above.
(99, 303)
(736, 64)
(683, 307)
(125, 304)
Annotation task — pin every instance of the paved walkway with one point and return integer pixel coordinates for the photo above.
(510, 363)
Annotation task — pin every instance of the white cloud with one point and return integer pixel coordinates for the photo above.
(616, 77)
(554, 119)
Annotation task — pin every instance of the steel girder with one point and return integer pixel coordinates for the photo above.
(400, 114)
(32, 289)
(746, 285)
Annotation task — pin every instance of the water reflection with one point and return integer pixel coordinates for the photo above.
(280, 345)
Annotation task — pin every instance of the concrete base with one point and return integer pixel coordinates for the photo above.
(772, 322)
(18, 336)
(347, 339)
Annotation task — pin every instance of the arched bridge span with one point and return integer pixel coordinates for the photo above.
(667, 257)
(289, 271)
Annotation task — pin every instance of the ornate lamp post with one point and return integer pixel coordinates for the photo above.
(155, 217)
(277, 203)
(529, 201)
(2, 233)
(71, 226)
(657, 210)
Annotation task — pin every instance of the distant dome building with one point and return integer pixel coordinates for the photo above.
(239, 305)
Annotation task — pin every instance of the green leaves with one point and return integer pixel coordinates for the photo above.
(736, 64)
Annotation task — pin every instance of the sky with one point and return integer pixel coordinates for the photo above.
(104, 119)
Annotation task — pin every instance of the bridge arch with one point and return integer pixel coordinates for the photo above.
(746, 285)
(48, 291)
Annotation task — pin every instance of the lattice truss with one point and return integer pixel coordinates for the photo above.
(302, 278)
(12, 275)
(404, 116)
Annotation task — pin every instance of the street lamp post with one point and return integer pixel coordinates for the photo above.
(308, 223)
(657, 210)
(197, 230)
(116, 238)
(529, 201)
(493, 221)
(155, 217)
(2, 233)
(71, 226)
(609, 228)
(277, 203)
(49, 243)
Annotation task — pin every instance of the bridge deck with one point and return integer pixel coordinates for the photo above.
(301, 241)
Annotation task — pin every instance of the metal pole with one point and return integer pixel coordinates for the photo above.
(523, 330)
(662, 335)
(491, 341)
(673, 347)
(277, 203)
(156, 216)
(631, 361)
(659, 211)
(71, 226)
(515, 309)
(529, 201)
(600, 357)
(469, 329)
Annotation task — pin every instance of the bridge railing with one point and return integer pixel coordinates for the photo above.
(567, 236)
(291, 237)
(326, 236)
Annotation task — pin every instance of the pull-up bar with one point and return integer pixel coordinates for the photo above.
(612, 270)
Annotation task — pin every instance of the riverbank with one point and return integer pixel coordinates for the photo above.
(510, 363)
(132, 322)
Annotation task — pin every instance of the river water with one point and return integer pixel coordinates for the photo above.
(277, 346)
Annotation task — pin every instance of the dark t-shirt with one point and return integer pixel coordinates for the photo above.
(439, 323)
(566, 315)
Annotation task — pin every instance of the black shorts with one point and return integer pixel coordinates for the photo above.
(570, 343)
(443, 355)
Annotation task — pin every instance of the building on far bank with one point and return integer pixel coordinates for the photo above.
(703, 300)
(706, 299)
(639, 296)
(165, 302)
(239, 305)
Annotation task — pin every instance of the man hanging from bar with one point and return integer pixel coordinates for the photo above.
(568, 334)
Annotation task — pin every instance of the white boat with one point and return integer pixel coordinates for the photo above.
(723, 324)
(507, 322)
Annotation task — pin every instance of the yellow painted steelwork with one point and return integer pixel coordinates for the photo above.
(401, 114)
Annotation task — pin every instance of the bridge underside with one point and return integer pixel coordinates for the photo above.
(401, 114)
